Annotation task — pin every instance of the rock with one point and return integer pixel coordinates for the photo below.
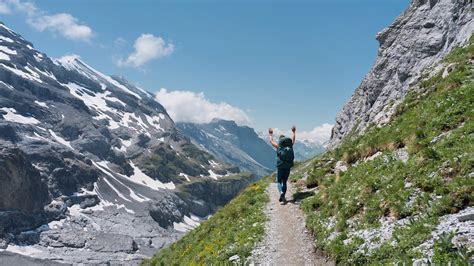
(28, 237)
(66, 238)
(22, 188)
(168, 210)
(417, 40)
(408, 185)
(105, 242)
(5, 240)
(56, 208)
(371, 158)
(401, 154)
(421, 262)
(89, 201)
(447, 69)
(15, 222)
(466, 217)
(340, 167)
(234, 258)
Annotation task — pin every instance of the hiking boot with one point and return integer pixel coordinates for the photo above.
(282, 198)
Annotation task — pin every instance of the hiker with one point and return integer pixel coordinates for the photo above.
(285, 159)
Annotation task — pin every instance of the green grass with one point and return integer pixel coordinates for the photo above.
(233, 230)
(437, 171)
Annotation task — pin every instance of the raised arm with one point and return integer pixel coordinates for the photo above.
(293, 129)
(270, 137)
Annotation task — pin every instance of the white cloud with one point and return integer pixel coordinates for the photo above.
(319, 134)
(188, 106)
(147, 47)
(4, 8)
(120, 42)
(63, 24)
(10, 6)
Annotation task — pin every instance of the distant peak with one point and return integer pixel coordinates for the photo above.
(222, 121)
(69, 58)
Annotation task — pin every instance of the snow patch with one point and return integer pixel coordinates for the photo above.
(42, 104)
(6, 39)
(12, 116)
(23, 250)
(7, 50)
(56, 224)
(4, 56)
(185, 176)
(60, 140)
(154, 122)
(7, 85)
(105, 168)
(141, 178)
(213, 175)
(126, 143)
(188, 224)
(97, 102)
(102, 166)
(22, 73)
(73, 62)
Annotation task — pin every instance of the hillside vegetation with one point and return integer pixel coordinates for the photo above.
(232, 230)
(380, 195)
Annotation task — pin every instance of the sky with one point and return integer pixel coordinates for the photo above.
(262, 63)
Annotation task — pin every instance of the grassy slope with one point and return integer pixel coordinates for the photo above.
(438, 172)
(233, 230)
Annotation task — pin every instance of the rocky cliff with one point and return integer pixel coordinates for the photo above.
(416, 40)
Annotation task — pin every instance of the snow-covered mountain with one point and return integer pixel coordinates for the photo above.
(231, 143)
(91, 165)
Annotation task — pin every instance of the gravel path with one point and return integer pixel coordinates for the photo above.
(287, 241)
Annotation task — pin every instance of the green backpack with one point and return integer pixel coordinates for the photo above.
(285, 153)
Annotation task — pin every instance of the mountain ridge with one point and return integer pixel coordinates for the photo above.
(234, 144)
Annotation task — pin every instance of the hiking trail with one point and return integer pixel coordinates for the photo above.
(287, 241)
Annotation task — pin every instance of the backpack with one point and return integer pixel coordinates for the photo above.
(285, 153)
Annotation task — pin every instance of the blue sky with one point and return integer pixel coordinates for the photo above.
(274, 63)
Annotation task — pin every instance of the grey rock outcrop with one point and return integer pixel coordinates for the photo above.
(416, 40)
(21, 185)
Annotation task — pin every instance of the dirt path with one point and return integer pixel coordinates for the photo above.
(287, 241)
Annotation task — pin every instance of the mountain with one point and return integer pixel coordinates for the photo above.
(231, 143)
(416, 40)
(92, 168)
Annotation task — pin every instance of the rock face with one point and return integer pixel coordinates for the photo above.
(231, 143)
(85, 158)
(418, 39)
(22, 188)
